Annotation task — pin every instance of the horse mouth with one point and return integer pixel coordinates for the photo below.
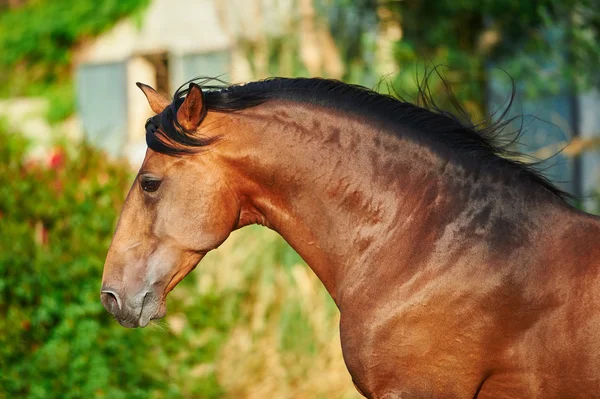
(142, 321)
(149, 313)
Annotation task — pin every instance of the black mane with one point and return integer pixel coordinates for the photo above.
(453, 133)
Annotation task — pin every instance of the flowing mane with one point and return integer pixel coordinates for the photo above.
(452, 135)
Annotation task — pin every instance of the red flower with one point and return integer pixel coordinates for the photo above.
(56, 158)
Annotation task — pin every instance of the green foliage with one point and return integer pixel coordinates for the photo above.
(535, 42)
(37, 39)
(55, 224)
(539, 43)
(61, 101)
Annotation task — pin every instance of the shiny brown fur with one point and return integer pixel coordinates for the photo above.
(451, 282)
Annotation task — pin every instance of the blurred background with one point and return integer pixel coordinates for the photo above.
(252, 321)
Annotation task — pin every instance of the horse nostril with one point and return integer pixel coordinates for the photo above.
(110, 300)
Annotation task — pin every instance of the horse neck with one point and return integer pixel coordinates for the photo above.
(347, 197)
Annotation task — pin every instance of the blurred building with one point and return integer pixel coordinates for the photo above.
(175, 40)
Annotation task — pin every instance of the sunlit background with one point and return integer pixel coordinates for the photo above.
(252, 321)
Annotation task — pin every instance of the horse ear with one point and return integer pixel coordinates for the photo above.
(191, 112)
(157, 101)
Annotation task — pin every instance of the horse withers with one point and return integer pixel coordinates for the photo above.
(458, 272)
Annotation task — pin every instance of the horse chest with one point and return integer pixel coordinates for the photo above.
(408, 354)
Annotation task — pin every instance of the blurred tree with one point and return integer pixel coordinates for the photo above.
(354, 25)
(282, 38)
(560, 38)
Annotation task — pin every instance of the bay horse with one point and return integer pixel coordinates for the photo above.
(458, 272)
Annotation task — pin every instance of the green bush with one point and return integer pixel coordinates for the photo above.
(37, 39)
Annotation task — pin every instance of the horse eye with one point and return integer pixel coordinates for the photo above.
(150, 185)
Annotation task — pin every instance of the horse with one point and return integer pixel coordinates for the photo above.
(458, 271)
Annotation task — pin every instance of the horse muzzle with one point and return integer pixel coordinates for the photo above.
(136, 311)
